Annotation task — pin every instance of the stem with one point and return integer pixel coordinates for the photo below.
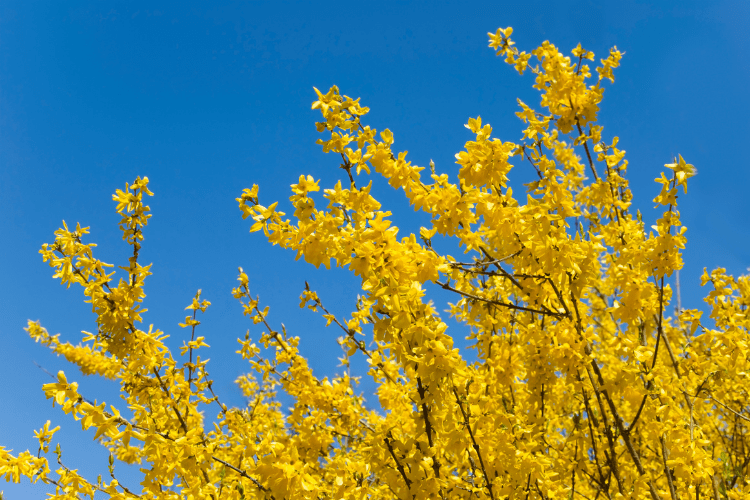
(667, 471)
(427, 425)
(446, 286)
(475, 445)
(398, 464)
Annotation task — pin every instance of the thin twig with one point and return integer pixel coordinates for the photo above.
(487, 480)
(509, 305)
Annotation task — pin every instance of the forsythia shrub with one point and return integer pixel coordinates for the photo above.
(584, 386)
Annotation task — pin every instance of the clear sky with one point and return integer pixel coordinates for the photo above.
(208, 101)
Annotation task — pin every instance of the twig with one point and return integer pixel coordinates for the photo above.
(398, 464)
(447, 286)
(667, 471)
(475, 445)
(427, 425)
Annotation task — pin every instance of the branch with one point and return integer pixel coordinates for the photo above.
(623, 431)
(350, 333)
(667, 471)
(601, 482)
(174, 405)
(585, 143)
(398, 464)
(638, 413)
(447, 286)
(728, 408)
(475, 445)
(242, 473)
(428, 425)
(612, 458)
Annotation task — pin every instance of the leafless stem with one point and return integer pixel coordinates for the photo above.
(667, 471)
(487, 480)
(508, 305)
(427, 425)
(398, 464)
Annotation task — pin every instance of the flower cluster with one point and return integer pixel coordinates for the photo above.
(581, 383)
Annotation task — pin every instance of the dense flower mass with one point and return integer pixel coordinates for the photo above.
(584, 384)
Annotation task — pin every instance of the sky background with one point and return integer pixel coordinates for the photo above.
(208, 101)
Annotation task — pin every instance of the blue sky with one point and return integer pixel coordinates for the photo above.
(208, 101)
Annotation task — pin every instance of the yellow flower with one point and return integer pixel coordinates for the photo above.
(44, 435)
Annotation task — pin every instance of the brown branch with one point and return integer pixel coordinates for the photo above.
(573, 473)
(485, 263)
(585, 143)
(658, 323)
(428, 425)
(242, 473)
(475, 445)
(612, 457)
(96, 487)
(350, 333)
(446, 286)
(398, 464)
(536, 168)
(667, 471)
(601, 481)
(728, 408)
(623, 431)
(174, 405)
(348, 167)
(638, 414)
(502, 271)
